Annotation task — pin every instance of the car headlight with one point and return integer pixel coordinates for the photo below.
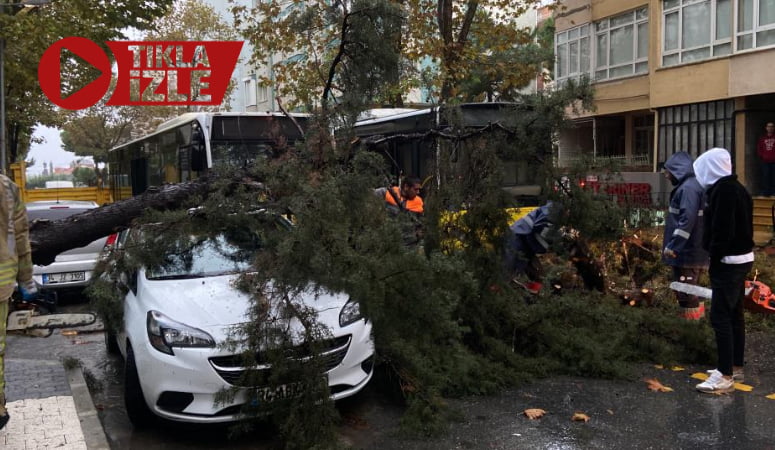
(165, 333)
(351, 312)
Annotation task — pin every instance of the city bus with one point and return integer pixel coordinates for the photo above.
(186, 147)
(413, 142)
(417, 142)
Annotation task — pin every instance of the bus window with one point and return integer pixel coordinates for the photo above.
(179, 151)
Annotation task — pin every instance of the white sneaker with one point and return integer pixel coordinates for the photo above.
(716, 384)
(737, 374)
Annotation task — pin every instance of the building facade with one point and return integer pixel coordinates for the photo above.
(668, 76)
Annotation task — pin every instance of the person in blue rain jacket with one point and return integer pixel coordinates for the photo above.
(682, 243)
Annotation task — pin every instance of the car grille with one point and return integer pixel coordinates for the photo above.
(231, 368)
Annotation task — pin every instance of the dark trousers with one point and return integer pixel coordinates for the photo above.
(768, 178)
(726, 312)
(688, 275)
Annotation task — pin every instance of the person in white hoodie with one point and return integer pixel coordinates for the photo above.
(728, 238)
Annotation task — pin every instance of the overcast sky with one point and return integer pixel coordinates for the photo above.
(50, 151)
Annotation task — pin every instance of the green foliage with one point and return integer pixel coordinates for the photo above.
(39, 181)
(106, 294)
(393, 47)
(84, 176)
(593, 335)
(500, 71)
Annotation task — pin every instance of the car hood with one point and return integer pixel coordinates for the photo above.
(215, 302)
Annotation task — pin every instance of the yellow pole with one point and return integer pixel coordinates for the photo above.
(19, 176)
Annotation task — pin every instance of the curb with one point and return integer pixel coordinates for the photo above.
(93, 433)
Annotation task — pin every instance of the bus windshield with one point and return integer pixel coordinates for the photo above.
(187, 147)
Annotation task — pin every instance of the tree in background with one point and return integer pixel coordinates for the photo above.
(301, 40)
(85, 176)
(98, 129)
(27, 36)
(500, 74)
(94, 131)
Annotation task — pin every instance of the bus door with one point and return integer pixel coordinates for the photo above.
(139, 175)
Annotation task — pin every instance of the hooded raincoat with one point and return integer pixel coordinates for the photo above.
(530, 236)
(684, 223)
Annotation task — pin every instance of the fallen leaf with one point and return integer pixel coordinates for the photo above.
(534, 413)
(771, 396)
(743, 387)
(677, 369)
(610, 411)
(654, 385)
(659, 366)
(69, 333)
(580, 417)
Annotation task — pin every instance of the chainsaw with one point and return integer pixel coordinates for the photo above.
(36, 317)
(758, 296)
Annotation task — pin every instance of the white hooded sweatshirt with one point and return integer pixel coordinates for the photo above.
(711, 166)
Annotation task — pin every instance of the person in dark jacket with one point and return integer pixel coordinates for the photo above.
(530, 236)
(682, 243)
(728, 237)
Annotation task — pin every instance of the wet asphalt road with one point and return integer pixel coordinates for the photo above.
(623, 413)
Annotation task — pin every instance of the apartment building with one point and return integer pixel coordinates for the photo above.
(669, 75)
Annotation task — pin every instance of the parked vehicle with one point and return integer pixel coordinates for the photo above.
(73, 268)
(59, 184)
(177, 316)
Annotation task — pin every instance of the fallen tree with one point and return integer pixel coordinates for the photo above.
(50, 238)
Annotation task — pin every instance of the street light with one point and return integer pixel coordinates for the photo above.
(25, 6)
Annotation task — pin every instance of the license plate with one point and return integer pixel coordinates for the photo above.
(284, 391)
(64, 277)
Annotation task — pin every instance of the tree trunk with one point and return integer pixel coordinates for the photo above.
(50, 238)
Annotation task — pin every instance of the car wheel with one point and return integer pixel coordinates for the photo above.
(136, 408)
(111, 345)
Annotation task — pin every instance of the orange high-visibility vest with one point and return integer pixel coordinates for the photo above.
(414, 205)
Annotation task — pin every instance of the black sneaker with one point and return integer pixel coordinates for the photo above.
(4, 420)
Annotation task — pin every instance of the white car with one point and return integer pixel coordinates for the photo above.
(176, 320)
(73, 268)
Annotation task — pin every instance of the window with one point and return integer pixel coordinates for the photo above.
(643, 139)
(572, 50)
(250, 91)
(695, 30)
(755, 23)
(622, 45)
(263, 94)
(695, 128)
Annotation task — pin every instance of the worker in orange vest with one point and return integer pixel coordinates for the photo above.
(408, 197)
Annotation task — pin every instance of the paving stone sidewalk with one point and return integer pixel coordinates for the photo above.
(50, 407)
(41, 406)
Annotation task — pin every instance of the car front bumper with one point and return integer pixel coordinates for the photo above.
(189, 387)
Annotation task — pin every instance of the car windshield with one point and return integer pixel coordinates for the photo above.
(199, 258)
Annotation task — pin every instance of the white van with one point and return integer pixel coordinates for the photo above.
(59, 184)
